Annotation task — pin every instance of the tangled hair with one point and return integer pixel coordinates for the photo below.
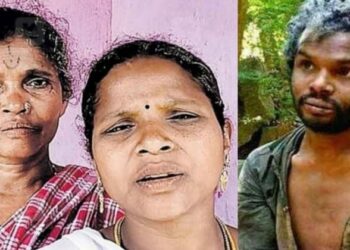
(17, 23)
(200, 72)
(321, 18)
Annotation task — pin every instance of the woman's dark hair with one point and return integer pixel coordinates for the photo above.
(200, 72)
(17, 23)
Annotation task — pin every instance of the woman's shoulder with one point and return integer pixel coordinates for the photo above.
(75, 173)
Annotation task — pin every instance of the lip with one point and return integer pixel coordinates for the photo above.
(19, 128)
(318, 107)
(318, 103)
(159, 177)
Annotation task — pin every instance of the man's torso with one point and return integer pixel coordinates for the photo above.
(319, 201)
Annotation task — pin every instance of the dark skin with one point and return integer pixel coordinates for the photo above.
(19, 183)
(122, 133)
(318, 186)
(108, 233)
(31, 103)
(12, 62)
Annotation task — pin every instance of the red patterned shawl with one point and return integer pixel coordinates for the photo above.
(67, 202)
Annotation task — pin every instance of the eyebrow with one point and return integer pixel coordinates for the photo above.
(120, 114)
(303, 53)
(129, 114)
(174, 103)
(345, 60)
(37, 72)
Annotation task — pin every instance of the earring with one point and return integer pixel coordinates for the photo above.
(224, 176)
(100, 195)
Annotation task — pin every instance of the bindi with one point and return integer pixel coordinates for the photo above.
(12, 62)
(147, 106)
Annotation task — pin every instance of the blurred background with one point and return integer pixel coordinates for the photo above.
(265, 107)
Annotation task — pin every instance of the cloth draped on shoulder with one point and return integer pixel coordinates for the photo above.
(83, 239)
(67, 202)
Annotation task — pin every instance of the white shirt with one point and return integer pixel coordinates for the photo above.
(84, 239)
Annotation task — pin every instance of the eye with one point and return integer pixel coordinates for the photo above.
(306, 65)
(120, 128)
(343, 71)
(37, 83)
(183, 116)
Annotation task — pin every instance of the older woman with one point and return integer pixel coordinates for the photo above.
(39, 201)
(157, 134)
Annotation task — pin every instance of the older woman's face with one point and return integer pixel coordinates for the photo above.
(30, 101)
(156, 142)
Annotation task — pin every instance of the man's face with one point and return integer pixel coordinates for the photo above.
(30, 101)
(321, 83)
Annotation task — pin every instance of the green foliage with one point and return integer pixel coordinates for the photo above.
(276, 86)
(271, 18)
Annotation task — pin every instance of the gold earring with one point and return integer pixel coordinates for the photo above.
(224, 176)
(100, 195)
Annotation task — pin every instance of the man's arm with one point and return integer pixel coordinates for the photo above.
(256, 218)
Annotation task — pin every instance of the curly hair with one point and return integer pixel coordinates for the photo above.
(17, 23)
(321, 18)
(200, 72)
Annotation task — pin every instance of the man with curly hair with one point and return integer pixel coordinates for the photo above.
(294, 192)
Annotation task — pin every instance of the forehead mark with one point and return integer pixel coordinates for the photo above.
(12, 63)
(147, 106)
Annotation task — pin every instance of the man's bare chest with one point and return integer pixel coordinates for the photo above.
(320, 209)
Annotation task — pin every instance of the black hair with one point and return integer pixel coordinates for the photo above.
(41, 34)
(322, 18)
(200, 72)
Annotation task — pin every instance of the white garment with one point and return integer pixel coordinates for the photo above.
(84, 239)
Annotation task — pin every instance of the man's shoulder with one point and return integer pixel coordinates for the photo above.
(275, 147)
(264, 158)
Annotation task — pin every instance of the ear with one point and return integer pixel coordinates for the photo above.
(64, 107)
(228, 127)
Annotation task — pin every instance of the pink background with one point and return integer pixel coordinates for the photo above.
(207, 28)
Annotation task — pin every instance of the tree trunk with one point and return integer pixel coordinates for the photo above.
(242, 22)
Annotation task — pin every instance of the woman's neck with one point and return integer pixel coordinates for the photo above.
(19, 181)
(18, 178)
(187, 232)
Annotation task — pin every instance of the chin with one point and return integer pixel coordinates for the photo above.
(160, 210)
(166, 212)
(18, 149)
(326, 127)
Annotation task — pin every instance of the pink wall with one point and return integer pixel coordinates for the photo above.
(206, 28)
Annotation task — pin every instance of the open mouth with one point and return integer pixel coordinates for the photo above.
(157, 177)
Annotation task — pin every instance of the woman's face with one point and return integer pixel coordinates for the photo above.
(30, 101)
(157, 144)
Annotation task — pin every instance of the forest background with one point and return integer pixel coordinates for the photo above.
(266, 109)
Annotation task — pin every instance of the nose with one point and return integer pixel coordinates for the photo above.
(153, 141)
(12, 101)
(322, 85)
